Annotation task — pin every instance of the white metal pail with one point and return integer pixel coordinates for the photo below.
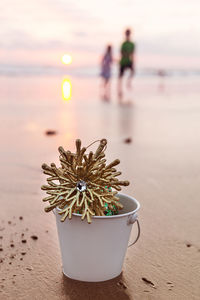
(96, 251)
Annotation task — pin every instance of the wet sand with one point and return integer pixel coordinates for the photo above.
(162, 163)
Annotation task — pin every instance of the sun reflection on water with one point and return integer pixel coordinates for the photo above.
(66, 89)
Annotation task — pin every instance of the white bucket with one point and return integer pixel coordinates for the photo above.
(96, 251)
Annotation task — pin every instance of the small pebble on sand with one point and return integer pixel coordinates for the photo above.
(122, 284)
(34, 237)
(24, 241)
(128, 141)
(50, 132)
(147, 281)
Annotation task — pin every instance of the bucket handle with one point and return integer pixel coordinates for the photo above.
(131, 220)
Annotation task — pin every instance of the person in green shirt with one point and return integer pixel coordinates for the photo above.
(126, 60)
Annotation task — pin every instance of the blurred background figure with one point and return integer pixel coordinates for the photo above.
(161, 73)
(126, 62)
(106, 64)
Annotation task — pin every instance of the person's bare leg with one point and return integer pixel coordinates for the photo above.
(129, 80)
(102, 88)
(107, 89)
(120, 94)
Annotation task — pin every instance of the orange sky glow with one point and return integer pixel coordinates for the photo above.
(39, 32)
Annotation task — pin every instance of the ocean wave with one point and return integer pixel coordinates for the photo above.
(88, 71)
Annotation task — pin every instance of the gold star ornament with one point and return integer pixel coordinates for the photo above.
(83, 184)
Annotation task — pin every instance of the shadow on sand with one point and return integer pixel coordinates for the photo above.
(112, 289)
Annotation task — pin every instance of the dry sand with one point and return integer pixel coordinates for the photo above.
(161, 161)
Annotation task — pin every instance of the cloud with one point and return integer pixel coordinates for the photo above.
(80, 33)
(16, 39)
(176, 43)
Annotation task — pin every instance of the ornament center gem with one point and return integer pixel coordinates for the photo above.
(81, 186)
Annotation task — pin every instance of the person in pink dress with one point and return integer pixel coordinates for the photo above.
(106, 64)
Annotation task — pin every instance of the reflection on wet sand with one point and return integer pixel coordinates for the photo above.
(125, 120)
(66, 89)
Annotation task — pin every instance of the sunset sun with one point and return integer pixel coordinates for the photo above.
(66, 59)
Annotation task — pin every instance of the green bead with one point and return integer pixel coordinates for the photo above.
(109, 212)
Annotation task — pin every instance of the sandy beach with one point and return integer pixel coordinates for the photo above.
(162, 121)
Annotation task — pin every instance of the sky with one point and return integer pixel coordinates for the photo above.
(39, 32)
